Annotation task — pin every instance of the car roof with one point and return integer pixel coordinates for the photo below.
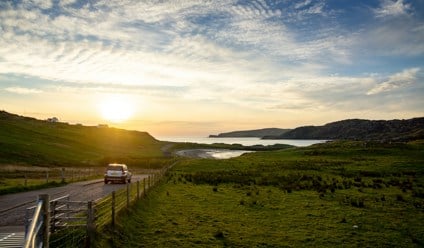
(117, 165)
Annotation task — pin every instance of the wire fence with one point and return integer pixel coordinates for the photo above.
(15, 178)
(103, 212)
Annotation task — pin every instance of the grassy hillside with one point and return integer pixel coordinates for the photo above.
(356, 129)
(29, 141)
(338, 194)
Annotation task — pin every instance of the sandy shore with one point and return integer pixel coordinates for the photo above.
(211, 153)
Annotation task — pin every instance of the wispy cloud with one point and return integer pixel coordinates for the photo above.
(22, 91)
(42, 4)
(392, 8)
(395, 81)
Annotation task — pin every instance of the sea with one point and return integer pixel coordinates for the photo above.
(250, 141)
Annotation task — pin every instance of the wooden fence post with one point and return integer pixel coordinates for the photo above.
(46, 219)
(26, 180)
(91, 229)
(68, 207)
(47, 176)
(138, 190)
(113, 208)
(128, 195)
(53, 217)
(63, 175)
(144, 187)
(150, 182)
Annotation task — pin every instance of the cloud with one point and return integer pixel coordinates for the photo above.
(66, 2)
(302, 4)
(155, 42)
(42, 4)
(260, 55)
(392, 8)
(22, 90)
(398, 80)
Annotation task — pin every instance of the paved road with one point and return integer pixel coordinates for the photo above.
(13, 206)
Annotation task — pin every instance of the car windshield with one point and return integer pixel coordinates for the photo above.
(115, 168)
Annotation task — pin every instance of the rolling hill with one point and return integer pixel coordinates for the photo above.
(358, 129)
(29, 141)
(252, 133)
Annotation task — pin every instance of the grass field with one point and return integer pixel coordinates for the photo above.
(345, 194)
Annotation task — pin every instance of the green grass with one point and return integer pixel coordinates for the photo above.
(346, 194)
(23, 179)
(11, 186)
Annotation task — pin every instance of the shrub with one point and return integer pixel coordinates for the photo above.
(357, 202)
(400, 198)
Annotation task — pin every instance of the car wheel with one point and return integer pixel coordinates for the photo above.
(106, 181)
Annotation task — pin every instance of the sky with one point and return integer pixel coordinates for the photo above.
(199, 67)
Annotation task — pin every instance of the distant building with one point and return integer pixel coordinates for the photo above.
(102, 126)
(53, 119)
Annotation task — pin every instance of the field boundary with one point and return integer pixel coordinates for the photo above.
(99, 213)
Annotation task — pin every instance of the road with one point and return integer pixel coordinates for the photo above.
(13, 206)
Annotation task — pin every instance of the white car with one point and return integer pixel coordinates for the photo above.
(117, 173)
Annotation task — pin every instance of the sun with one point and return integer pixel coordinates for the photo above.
(116, 108)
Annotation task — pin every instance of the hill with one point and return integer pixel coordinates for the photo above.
(357, 129)
(252, 133)
(29, 141)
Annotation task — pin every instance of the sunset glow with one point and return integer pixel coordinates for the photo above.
(116, 109)
(200, 67)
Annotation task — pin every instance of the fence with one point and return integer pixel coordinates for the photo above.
(73, 224)
(36, 234)
(15, 177)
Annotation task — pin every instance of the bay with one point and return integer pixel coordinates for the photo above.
(250, 141)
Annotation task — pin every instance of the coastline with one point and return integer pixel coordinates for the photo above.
(211, 153)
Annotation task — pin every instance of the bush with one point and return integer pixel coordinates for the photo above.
(357, 202)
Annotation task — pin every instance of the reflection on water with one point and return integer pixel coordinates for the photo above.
(225, 154)
(211, 153)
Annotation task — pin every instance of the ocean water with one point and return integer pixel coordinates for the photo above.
(243, 141)
(211, 153)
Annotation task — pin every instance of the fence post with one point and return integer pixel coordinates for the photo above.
(128, 195)
(46, 219)
(53, 217)
(113, 208)
(144, 187)
(138, 190)
(26, 222)
(26, 180)
(67, 208)
(90, 224)
(47, 176)
(150, 182)
(63, 175)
